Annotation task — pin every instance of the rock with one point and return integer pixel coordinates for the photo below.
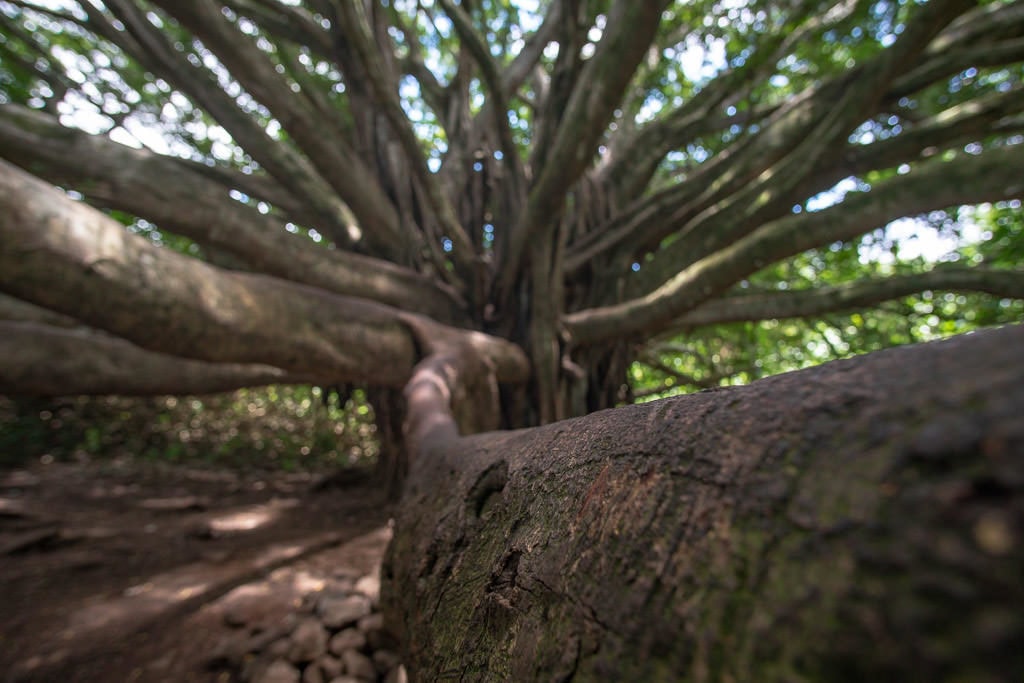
(369, 586)
(229, 652)
(346, 679)
(345, 573)
(279, 648)
(262, 638)
(397, 675)
(330, 666)
(308, 641)
(359, 665)
(372, 622)
(248, 604)
(342, 585)
(385, 660)
(279, 671)
(349, 639)
(373, 628)
(313, 674)
(338, 612)
(252, 669)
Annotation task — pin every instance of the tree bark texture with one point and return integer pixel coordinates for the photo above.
(858, 521)
(44, 360)
(66, 256)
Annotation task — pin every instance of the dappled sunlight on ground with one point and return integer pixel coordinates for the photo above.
(251, 518)
(141, 574)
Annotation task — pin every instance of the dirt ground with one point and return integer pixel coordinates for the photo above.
(127, 571)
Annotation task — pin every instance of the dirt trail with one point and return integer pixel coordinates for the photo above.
(121, 571)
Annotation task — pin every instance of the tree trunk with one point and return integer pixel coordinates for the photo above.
(857, 521)
(393, 456)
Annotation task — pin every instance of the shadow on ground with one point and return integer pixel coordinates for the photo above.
(126, 571)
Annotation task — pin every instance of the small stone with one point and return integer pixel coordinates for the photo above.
(385, 660)
(369, 586)
(345, 573)
(376, 637)
(313, 674)
(261, 638)
(279, 648)
(228, 653)
(252, 669)
(339, 612)
(330, 666)
(308, 641)
(279, 671)
(359, 665)
(349, 639)
(246, 605)
(342, 586)
(397, 675)
(373, 622)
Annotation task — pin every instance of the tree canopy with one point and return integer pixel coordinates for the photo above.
(486, 214)
(321, 190)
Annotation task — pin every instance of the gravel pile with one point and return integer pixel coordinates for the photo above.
(335, 636)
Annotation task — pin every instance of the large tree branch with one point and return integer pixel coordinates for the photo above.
(467, 138)
(745, 185)
(523, 64)
(497, 104)
(636, 155)
(40, 360)
(16, 310)
(854, 521)
(356, 27)
(176, 198)
(997, 174)
(977, 119)
(414, 64)
(64, 255)
(988, 36)
(631, 27)
(806, 303)
(293, 24)
(319, 137)
(799, 176)
(129, 29)
(997, 113)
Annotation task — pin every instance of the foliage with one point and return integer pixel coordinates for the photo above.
(738, 353)
(579, 178)
(275, 427)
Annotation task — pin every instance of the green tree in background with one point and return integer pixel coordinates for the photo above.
(871, 318)
(594, 196)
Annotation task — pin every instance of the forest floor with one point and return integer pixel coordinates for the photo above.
(134, 571)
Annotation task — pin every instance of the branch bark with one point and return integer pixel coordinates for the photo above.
(751, 182)
(991, 176)
(152, 49)
(41, 360)
(355, 26)
(853, 295)
(176, 198)
(66, 256)
(856, 521)
(298, 113)
(630, 30)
